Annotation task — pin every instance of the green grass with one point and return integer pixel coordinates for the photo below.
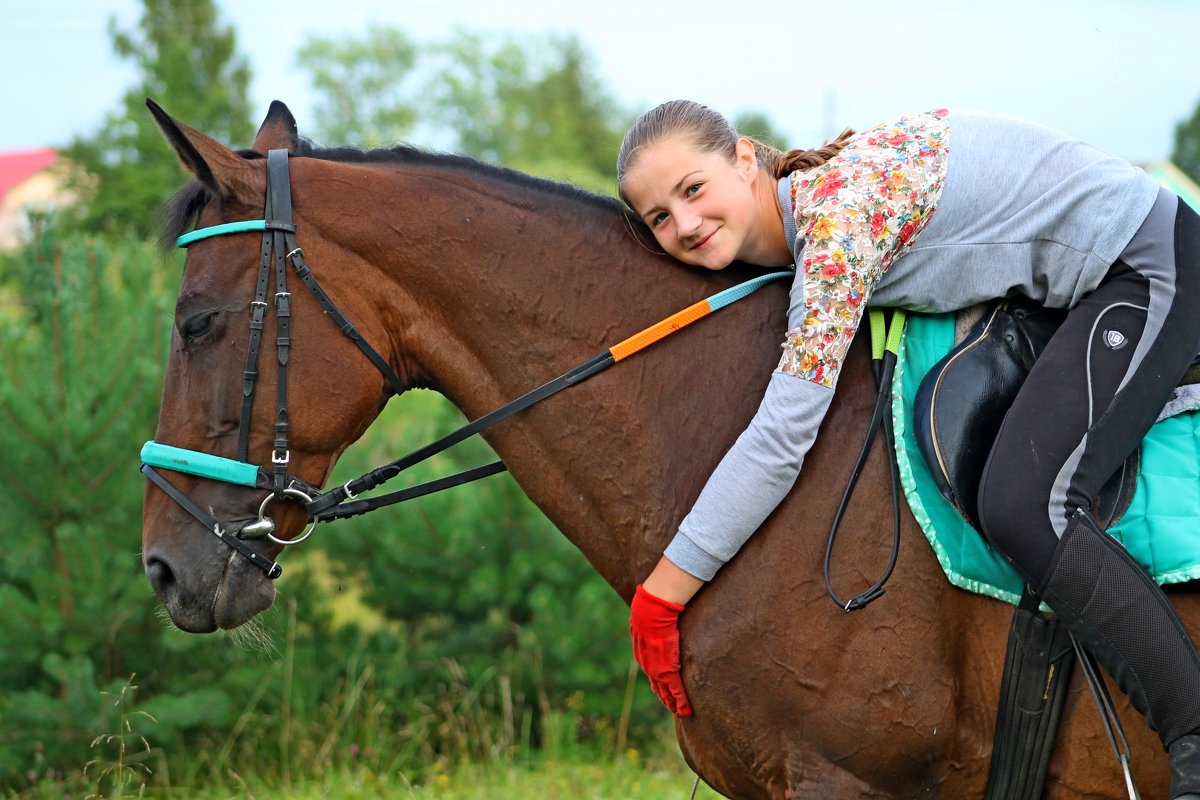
(625, 779)
(630, 777)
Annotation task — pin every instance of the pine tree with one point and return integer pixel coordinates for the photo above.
(80, 379)
(187, 62)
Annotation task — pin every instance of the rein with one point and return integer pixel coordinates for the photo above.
(885, 349)
(278, 249)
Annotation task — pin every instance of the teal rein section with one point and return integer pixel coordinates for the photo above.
(197, 463)
(220, 230)
(735, 293)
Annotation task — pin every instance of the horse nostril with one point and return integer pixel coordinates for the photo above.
(161, 576)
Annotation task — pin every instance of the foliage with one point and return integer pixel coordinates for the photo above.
(537, 107)
(364, 87)
(758, 126)
(187, 63)
(73, 405)
(477, 575)
(1186, 154)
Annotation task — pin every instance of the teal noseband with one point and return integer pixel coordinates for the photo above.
(194, 462)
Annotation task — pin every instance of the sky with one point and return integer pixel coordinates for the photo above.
(1118, 73)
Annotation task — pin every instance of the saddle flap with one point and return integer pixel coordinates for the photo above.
(961, 403)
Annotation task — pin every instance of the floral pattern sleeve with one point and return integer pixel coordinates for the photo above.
(856, 214)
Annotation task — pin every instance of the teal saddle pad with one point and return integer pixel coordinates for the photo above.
(1161, 529)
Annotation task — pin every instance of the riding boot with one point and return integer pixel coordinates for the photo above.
(1185, 767)
(1120, 615)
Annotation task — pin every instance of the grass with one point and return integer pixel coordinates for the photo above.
(486, 758)
(627, 778)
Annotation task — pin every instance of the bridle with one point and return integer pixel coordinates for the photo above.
(279, 248)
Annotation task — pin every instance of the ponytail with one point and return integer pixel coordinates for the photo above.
(781, 163)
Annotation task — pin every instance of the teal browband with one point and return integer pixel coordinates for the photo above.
(218, 230)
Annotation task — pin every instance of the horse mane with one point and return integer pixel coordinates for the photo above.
(183, 210)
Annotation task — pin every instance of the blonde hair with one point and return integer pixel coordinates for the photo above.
(709, 131)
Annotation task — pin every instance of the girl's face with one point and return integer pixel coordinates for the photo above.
(699, 205)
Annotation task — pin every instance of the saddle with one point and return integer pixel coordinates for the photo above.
(962, 400)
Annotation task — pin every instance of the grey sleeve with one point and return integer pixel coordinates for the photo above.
(753, 477)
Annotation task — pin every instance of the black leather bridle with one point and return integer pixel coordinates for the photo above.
(278, 249)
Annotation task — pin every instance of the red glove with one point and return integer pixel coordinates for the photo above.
(654, 628)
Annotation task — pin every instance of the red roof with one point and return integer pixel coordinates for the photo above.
(18, 165)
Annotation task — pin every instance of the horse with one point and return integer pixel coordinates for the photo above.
(480, 283)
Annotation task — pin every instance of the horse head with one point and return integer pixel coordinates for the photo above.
(202, 580)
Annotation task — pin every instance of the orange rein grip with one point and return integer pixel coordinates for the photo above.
(660, 330)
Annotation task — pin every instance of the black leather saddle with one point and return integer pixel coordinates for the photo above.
(961, 402)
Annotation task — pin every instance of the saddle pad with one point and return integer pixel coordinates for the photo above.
(1161, 529)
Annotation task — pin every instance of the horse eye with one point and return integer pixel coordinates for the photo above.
(195, 327)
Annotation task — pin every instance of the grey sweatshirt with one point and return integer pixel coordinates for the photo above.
(1023, 210)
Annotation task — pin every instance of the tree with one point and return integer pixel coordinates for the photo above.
(545, 113)
(78, 377)
(534, 106)
(757, 125)
(366, 95)
(1187, 145)
(187, 62)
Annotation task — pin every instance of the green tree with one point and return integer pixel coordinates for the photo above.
(1187, 145)
(534, 106)
(81, 370)
(364, 87)
(187, 62)
(537, 108)
(478, 576)
(757, 125)
(78, 380)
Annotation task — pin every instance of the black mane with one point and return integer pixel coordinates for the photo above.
(183, 210)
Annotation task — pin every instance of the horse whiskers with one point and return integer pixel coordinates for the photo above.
(254, 636)
(164, 616)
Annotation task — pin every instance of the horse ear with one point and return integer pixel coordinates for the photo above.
(278, 131)
(223, 171)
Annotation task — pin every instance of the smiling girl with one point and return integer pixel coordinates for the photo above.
(935, 212)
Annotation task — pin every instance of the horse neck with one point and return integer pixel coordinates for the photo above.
(496, 289)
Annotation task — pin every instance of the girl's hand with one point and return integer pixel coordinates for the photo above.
(654, 628)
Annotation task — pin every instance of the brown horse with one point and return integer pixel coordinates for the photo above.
(482, 283)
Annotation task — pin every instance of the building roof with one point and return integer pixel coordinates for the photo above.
(19, 165)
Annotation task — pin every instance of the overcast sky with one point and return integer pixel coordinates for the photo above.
(1120, 74)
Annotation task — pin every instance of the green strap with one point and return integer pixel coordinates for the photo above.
(885, 336)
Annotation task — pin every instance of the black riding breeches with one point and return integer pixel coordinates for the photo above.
(1095, 390)
(1091, 396)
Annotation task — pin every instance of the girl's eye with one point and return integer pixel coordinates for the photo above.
(691, 190)
(659, 218)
